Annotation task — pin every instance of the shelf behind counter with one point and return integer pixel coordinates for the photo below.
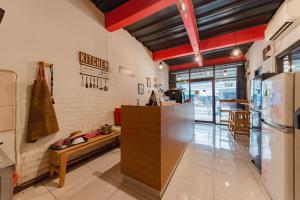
(153, 140)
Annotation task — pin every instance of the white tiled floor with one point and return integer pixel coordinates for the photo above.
(214, 167)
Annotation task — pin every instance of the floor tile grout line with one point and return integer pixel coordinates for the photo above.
(213, 184)
(68, 190)
(259, 183)
(117, 189)
(49, 191)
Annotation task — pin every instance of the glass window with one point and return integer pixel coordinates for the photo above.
(179, 76)
(206, 72)
(226, 71)
(290, 62)
(185, 87)
(295, 61)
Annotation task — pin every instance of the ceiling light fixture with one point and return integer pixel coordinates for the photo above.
(236, 52)
(225, 72)
(197, 57)
(160, 66)
(183, 8)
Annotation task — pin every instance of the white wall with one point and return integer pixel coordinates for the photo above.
(54, 31)
(255, 53)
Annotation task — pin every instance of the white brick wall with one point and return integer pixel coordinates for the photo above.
(73, 113)
(73, 27)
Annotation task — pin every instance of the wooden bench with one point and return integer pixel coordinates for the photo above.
(59, 158)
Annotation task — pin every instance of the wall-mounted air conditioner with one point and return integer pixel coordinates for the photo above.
(286, 17)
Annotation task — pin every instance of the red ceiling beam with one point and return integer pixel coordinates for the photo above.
(179, 51)
(189, 20)
(210, 62)
(133, 11)
(227, 40)
(233, 39)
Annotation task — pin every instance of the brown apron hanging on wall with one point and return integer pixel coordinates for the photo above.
(42, 119)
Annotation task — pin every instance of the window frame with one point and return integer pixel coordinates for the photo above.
(287, 52)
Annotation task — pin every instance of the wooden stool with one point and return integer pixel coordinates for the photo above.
(239, 122)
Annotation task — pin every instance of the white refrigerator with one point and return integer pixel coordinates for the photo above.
(280, 136)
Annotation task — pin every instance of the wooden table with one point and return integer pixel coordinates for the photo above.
(59, 158)
(233, 101)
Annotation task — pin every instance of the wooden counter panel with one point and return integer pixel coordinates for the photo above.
(140, 144)
(153, 140)
(177, 130)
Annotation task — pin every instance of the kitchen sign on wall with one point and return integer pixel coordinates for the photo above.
(93, 71)
(90, 60)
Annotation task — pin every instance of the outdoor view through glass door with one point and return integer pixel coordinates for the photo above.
(202, 95)
(206, 86)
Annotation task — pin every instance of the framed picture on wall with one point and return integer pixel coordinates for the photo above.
(140, 88)
(148, 82)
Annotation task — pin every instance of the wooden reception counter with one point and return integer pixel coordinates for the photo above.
(153, 140)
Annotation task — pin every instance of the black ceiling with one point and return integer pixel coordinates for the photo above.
(108, 5)
(165, 28)
(1, 14)
(225, 52)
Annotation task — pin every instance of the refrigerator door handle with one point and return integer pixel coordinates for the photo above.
(284, 129)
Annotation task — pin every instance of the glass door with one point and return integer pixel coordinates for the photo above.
(225, 89)
(203, 97)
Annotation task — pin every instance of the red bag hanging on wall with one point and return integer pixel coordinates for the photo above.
(42, 118)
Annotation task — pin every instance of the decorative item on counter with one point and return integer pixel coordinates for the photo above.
(106, 129)
(140, 88)
(116, 129)
(152, 100)
(42, 118)
(148, 82)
